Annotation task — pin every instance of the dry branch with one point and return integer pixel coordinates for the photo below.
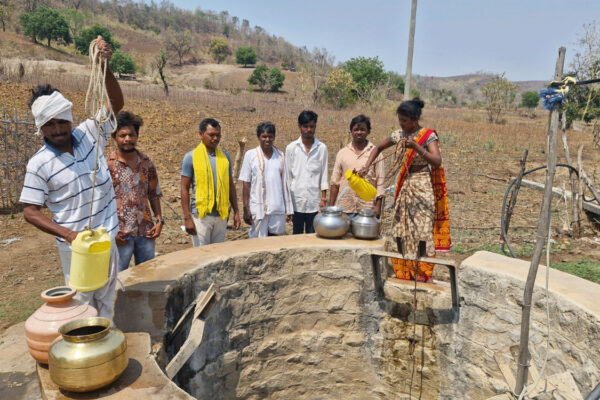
(515, 192)
(576, 211)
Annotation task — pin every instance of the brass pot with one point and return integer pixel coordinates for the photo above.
(89, 356)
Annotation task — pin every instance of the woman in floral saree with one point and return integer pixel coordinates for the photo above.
(421, 218)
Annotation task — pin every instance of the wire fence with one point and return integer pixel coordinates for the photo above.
(17, 145)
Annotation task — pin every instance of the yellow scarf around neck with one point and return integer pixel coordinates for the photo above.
(205, 194)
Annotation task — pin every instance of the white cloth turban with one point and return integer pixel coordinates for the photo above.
(45, 108)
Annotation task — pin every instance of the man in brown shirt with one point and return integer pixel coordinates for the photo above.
(135, 181)
(354, 157)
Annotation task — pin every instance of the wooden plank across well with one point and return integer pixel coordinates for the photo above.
(195, 336)
(438, 261)
(557, 192)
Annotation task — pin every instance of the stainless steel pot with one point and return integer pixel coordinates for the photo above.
(365, 225)
(331, 222)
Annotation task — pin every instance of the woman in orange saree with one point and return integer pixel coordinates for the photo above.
(421, 216)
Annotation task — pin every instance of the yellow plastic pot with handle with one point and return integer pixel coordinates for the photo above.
(361, 186)
(90, 260)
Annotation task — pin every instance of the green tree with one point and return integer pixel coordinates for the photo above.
(414, 93)
(82, 42)
(578, 104)
(530, 99)
(122, 63)
(220, 49)
(75, 20)
(226, 31)
(45, 24)
(245, 55)
(276, 78)
(6, 10)
(260, 76)
(396, 81)
(339, 88)
(367, 73)
(499, 95)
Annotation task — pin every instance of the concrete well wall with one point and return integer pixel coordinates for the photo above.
(298, 317)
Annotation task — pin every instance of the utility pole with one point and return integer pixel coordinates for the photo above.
(411, 45)
(542, 234)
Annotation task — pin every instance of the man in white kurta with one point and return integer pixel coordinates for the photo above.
(266, 197)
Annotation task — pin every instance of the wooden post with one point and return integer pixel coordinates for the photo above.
(411, 45)
(542, 233)
(514, 193)
(238, 159)
(575, 210)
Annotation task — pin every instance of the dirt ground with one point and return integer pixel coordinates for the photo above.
(479, 158)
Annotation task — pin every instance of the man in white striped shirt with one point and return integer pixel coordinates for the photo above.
(59, 176)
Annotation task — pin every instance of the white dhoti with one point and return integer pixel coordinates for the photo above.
(273, 224)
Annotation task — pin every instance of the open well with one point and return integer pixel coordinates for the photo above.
(299, 317)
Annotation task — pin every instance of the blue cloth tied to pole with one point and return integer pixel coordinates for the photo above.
(550, 97)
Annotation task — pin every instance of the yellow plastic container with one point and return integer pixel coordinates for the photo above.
(90, 259)
(361, 186)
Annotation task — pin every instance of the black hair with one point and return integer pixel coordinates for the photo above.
(411, 108)
(359, 119)
(265, 126)
(127, 118)
(306, 116)
(41, 90)
(208, 121)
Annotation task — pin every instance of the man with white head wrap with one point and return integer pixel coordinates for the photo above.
(59, 176)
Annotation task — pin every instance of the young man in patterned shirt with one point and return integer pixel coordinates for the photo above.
(136, 185)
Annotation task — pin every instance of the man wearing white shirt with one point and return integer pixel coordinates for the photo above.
(306, 160)
(59, 176)
(266, 196)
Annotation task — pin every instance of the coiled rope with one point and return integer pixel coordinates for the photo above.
(95, 98)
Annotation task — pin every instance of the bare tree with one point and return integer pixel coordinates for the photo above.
(160, 63)
(586, 63)
(314, 72)
(499, 95)
(6, 9)
(180, 43)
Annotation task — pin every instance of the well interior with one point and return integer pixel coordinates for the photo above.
(306, 322)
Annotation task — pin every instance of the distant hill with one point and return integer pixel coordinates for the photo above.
(141, 27)
(465, 88)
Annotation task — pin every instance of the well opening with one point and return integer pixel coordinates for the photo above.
(308, 323)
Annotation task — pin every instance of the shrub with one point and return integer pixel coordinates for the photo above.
(245, 55)
(122, 63)
(276, 78)
(339, 88)
(82, 42)
(220, 49)
(260, 76)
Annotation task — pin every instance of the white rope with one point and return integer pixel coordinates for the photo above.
(95, 98)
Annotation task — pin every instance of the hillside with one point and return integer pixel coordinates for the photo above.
(142, 29)
(466, 88)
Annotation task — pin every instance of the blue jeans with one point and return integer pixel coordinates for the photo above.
(140, 247)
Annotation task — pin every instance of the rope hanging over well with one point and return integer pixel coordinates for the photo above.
(95, 98)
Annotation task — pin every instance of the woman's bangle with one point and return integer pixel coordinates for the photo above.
(425, 152)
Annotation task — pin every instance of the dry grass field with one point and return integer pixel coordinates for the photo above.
(479, 158)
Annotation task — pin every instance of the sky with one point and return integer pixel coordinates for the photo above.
(452, 37)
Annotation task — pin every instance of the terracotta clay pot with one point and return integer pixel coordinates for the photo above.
(41, 328)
